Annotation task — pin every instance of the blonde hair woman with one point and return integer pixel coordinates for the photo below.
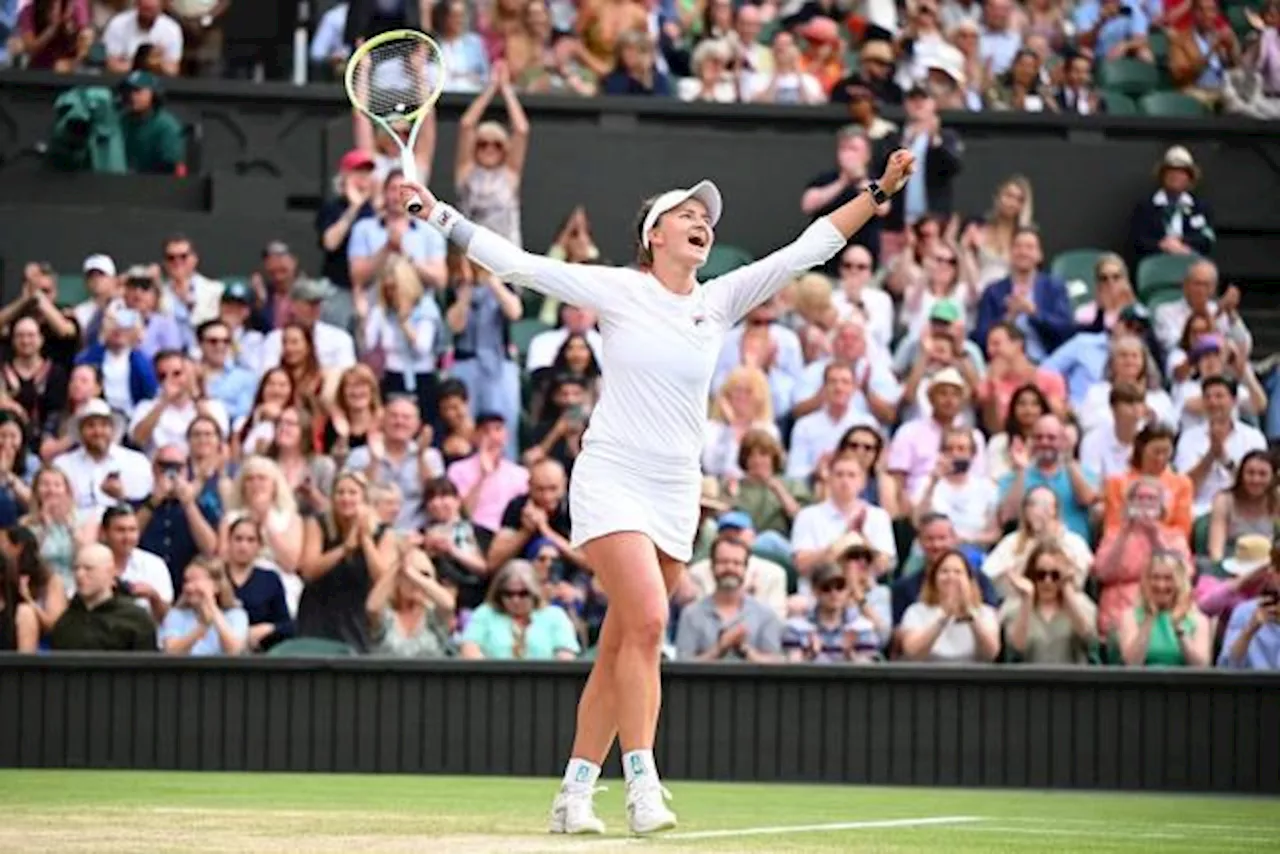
(986, 246)
(355, 413)
(346, 552)
(950, 622)
(1128, 362)
(1040, 520)
(811, 300)
(52, 518)
(261, 493)
(1112, 292)
(404, 326)
(1165, 629)
(516, 622)
(1050, 621)
(742, 405)
(410, 610)
(308, 474)
(206, 619)
(489, 164)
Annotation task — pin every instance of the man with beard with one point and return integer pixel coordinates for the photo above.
(729, 625)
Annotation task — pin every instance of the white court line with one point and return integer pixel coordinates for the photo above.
(786, 829)
(1100, 833)
(1243, 828)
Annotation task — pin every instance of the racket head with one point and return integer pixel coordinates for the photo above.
(395, 77)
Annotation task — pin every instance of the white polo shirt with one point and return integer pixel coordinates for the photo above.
(970, 504)
(122, 36)
(171, 428)
(819, 525)
(1193, 444)
(1102, 452)
(87, 474)
(335, 349)
(149, 569)
(817, 433)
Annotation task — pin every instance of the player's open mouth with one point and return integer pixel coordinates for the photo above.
(698, 240)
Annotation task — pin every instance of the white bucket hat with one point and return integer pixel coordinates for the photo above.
(704, 191)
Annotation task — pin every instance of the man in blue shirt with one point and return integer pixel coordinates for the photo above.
(1050, 463)
(1114, 29)
(1252, 641)
(1035, 302)
(1083, 359)
(374, 239)
(224, 380)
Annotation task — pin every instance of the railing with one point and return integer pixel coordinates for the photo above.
(1174, 730)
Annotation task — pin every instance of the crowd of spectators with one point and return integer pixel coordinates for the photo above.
(1085, 57)
(937, 449)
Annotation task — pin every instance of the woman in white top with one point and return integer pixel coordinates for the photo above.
(1214, 356)
(710, 81)
(950, 623)
(743, 404)
(1128, 363)
(985, 246)
(404, 325)
(637, 484)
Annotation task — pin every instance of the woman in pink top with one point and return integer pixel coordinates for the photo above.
(1125, 554)
(55, 34)
(1249, 568)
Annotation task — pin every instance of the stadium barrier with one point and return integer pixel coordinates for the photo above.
(1173, 730)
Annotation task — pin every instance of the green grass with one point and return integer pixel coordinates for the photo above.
(180, 812)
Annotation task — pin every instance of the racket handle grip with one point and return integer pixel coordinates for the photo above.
(415, 206)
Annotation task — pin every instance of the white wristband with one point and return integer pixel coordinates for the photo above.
(443, 218)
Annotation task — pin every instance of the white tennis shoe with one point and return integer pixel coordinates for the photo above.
(574, 812)
(647, 808)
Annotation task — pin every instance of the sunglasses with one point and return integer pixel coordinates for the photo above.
(515, 594)
(489, 143)
(176, 256)
(860, 446)
(1111, 277)
(837, 584)
(167, 374)
(854, 265)
(1045, 574)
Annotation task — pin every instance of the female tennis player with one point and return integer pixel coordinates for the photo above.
(635, 488)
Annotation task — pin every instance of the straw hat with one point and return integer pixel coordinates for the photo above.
(1178, 157)
(1252, 552)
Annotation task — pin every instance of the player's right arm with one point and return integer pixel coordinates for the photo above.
(578, 284)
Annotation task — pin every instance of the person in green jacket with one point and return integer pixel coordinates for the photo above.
(153, 137)
(102, 617)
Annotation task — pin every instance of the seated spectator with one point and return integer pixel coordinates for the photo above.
(711, 81)
(234, 310)
(1076, 94)
(515, 623)
(560, 67)
(60, 428)
(558, 433)
(1251, 507)
(463, 50)
(872, 397)
(179, 401)
(451, 543)
(929, 276)
(102, 472)
(179, 520)
(817, 433)
(1023, 88)
(486, 480)
(38, 588)
(126, 372)
(1050, 621)
(1008, 370)
(635, 71)
(344, 553)
(332, 348)
(35, 387)
(761, 341)
(100, 618)
(729, 624)
(207, 619)
(1251, 641)
(857, 296)
(1050, 462)
(1253, 89)
(17, 467)
(307, 473)
(1178, 365)
(546, 346)
(55, 36)
(866, 444)
(763, 579)
(1000, 37)
(1129, 364)
(140, 573)
(1199, 289)
(1083, 358)
(20, 624)
(1152, 451)
(1173, 221)
(255, 432)
(38, 300)
(1200, 57)
(941, 348)
(987, 246)
(1210, 454)
(1037, 303)
(410, 610)
(143, 37)
(876, 63)
(52, 519)
(539, 517)
(915, 449)
(819, 526)
(1113, 292)
(1211, 356)
(1040, 521)
(355, 415)
(786, 82)
(770, 500)
(458, 430)
(843, 625)
(1113, 29)
(949, 623)
(102, 286)
(813, 313)
(154, 140)
(1025, 409)
(1164, 628)
(1108, 448)
(227, 383)
(158, 329)
(394, 456)
(257, 587)
(190, 297)
(968, 498)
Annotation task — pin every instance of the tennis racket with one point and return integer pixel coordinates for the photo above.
(396, 78)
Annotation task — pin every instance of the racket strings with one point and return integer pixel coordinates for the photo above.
(397, 78)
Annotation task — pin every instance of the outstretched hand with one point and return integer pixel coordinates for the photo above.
(409, 189)
(901, 165)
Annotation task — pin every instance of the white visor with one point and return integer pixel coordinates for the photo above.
(704, 191)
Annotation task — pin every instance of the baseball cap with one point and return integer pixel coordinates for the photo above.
(310, 290)
(1136, 312)
(734, 520)
(1205, 344)
(945, 311)
(99, 264)
(96, 408)
(704, 191)
(276, 247)
(237, 291)
(140, 80)
(355, 159)
(138, 276)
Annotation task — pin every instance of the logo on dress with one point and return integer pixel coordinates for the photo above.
(699, 319)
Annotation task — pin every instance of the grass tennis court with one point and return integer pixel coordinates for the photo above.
(109, 812)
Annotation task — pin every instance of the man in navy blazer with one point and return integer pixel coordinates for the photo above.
(1035, 302)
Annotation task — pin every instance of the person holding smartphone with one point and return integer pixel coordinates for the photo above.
(1252, 641)
(559, 435)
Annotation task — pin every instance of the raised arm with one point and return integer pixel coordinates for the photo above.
(749, 286)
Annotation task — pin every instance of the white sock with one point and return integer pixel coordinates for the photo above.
(639, 765)
(580, 775)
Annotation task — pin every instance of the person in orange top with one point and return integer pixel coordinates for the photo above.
(824, 57)
(1152, 451)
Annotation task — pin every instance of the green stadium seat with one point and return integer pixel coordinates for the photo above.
(1158, 41)
(722, 259)
(1171, 105)
(523, 331)
(1118, 103)
(71, 289)
(531, 300)
(1200, 536)
(1162, 272)
(1239, 23)
(1133, 77)
(1075, 267)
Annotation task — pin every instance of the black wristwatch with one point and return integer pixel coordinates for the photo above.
(879, 195)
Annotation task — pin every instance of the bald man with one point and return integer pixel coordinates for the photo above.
(100, 618)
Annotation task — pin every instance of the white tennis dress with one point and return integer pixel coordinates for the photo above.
(639, 469)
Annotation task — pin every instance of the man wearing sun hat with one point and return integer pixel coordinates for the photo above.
(913, 454)
(1252, 640)
(1172, 220)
